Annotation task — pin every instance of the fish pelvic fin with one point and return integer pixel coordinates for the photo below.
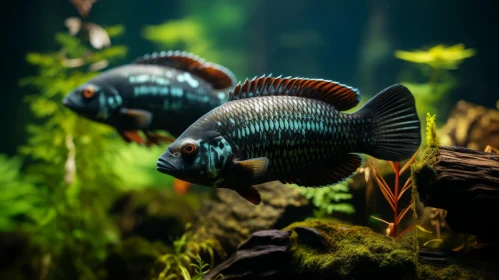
(396, 123)
(250, 193)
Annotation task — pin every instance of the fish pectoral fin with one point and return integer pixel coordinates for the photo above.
(326, 173)
(131, 136)
(140, 119)
(257, 167)
(250, 193)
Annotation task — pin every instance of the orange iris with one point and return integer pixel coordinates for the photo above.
(88, 92)
(189, 149)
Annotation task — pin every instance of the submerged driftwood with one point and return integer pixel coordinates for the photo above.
(464, 182)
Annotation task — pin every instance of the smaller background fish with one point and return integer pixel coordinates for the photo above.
(161, 91)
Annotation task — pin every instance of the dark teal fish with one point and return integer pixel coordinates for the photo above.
(162, 91)
(292, 130)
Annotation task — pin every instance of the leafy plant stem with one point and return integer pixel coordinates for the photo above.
(396, 195)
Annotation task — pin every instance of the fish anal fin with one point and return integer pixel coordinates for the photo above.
(341, 96)
(327, 173)
(250, 193)
(216, 75)
(136, 118)
(257, 167)
(131, 136)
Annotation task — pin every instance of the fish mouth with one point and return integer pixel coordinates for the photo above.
(167, 167)
(69, 103)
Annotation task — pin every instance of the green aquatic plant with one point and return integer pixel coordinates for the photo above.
(137, 167)
(430, 78)
(186, 262)
(431, 130)
(330, 199)
(21, 201)
(430, 148)
(72, 158)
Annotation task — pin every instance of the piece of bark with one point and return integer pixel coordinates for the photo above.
(464, 182)
(265, 255)
(471, 126)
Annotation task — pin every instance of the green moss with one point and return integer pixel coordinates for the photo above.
(448, 272)
(423, 171)
(322, 250)
(349, 252)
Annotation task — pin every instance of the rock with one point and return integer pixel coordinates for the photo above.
(231, 219)
(155, 214)
(134, 258)
(338, 251)
(471, 126)
(322, 250)
(266, 252)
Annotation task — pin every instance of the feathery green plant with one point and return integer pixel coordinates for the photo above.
(72, 158)
(330, 199)
(186, 262)
(21, 202)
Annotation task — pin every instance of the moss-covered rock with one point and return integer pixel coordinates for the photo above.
(349, 252)
(231, 219)
(325, 250)
(134, 258)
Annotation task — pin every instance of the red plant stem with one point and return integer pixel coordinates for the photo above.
(395, 200)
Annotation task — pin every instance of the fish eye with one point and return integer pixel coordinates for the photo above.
(189, 148)
(88, 92)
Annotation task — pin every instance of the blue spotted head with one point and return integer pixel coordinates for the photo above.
(197, 156)
(94, 101)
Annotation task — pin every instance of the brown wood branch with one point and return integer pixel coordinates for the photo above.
(464, 182)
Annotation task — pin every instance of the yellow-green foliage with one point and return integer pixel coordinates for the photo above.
(439, 56)
(79, 229)
(425, 166)
(186, 262)
(430, 78)
(329, 199)
(431, 130)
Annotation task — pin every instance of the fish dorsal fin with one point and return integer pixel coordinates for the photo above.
(342, 97)
(218, 76)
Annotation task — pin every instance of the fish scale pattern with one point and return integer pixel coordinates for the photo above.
(295, 133)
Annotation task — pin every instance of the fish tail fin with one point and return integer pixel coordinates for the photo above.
(396, 123)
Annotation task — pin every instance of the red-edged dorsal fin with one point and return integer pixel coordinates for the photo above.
(218, 76)
(342, 97)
